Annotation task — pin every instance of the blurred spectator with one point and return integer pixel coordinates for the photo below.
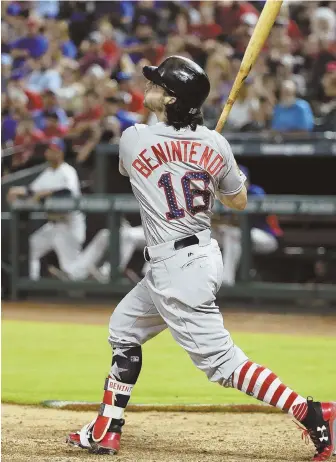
(92, 110)
(17, 110)
(292, 114)
(142, 44)
(93, 53)
(324, 52)
(243, 113)
(67, 46)
(17, 85)
(56, 54)
(328, 109)
(33, 45)
(98, 80)
(323, 23)
(126, 85)
(27, 136)
(85, 128)
(50, 104)
(218, 66)
(110, 45)
(229, 14)
(117, 106)
(72, 90)
(146, 12)
(45, 75)
(206, 26)
(47, 8)
(285, 71)
(52, 125)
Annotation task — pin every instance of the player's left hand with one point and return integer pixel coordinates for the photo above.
(38, 196)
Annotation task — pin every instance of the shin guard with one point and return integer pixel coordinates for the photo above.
(126, 366)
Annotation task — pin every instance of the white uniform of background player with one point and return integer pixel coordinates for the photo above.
(65, 236)
(132, 238)
(263, 237)
(85, 263)
(63, 233)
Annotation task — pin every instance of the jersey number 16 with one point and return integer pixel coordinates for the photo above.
(190, 194)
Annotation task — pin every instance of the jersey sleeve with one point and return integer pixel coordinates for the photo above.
(128, 141)
(232, 179)
(71, 181)
(39, 183)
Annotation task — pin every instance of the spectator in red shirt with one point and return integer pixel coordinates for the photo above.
(207, 27)
(229, 14)
(93, 53)
(53, 127)
(93, 109)
(85, 131)
(110, 46)
(26, 139)
(126, 85)
(17, 81)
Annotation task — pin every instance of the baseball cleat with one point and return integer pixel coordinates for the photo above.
(320, 424)
(81, 439)
(73, 439)
(110, 444)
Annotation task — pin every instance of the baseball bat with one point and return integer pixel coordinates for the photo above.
(259, 36)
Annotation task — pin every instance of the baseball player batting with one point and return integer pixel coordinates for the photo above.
(177, 168)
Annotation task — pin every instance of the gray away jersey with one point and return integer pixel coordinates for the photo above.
(175, 175)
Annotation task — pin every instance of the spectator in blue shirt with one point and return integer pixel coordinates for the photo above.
(33, 45)
(45, 75)
(141, 41)
(292, 114)
(117, 106)
(67, 46)
(50, 104)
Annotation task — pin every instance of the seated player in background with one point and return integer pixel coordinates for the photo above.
(64, 233)
(85, 264)
(265, 232)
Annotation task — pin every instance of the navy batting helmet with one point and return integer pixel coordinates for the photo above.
(182, 78)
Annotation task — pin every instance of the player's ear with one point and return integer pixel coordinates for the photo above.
(169, 100)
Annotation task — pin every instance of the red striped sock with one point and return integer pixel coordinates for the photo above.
(261, 383)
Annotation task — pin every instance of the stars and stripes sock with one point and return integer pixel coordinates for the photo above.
(261, 383)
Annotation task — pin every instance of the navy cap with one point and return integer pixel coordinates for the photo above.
(56, 144)
(123, 76)
(13, 9)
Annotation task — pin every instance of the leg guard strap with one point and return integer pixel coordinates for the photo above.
(108, 409)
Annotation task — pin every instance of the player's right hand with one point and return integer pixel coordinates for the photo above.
(15, 192)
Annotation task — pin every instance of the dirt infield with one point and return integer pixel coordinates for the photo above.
(35, 435)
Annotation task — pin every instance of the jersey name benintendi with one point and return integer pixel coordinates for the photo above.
(175, 175)
(184, 151)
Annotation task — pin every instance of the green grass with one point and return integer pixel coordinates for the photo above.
(43, 361)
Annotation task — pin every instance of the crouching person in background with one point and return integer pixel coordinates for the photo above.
(265, 234)
(64, 233)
